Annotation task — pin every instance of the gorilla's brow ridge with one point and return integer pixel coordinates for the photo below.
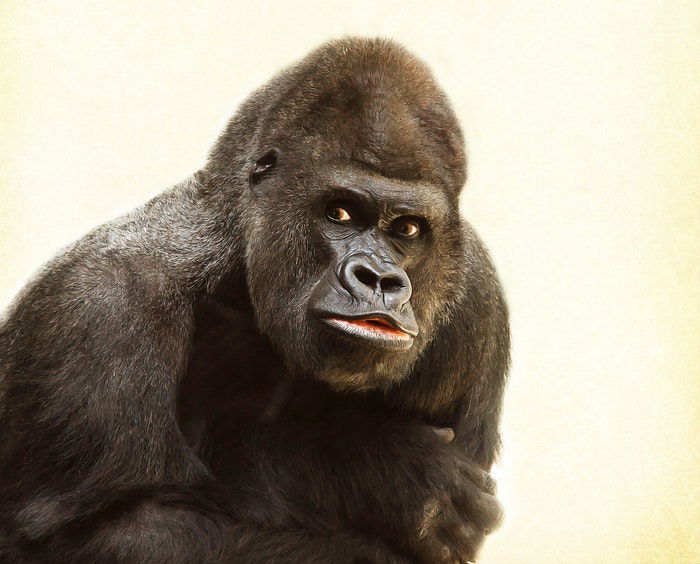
(396, 196)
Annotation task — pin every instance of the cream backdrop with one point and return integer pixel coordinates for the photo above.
(583, 125)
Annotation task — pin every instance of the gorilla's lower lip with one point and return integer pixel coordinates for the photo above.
(374, 329)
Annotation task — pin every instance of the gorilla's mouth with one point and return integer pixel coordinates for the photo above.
(378, 330)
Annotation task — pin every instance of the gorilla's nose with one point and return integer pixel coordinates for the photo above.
(364, 278)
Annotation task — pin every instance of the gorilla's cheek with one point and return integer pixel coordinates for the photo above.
(279, 300)
(279, 283)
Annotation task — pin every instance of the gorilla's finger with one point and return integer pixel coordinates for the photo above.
(446, 434)
(483, 509)
(489, 484)
(479, 476)
(463, 539)
(433, 549)
(431, 510)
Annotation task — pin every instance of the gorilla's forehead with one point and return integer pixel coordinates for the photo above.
(400, 196)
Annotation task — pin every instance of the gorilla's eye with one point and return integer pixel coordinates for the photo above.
(408, 228)
(338, 214)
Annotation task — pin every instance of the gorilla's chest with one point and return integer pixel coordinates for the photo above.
(232, 373)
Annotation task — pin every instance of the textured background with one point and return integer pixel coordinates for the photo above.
(583, 123)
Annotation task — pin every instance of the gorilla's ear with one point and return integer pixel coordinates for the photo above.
(263, 166)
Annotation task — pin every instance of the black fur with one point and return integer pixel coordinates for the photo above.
(171, 387)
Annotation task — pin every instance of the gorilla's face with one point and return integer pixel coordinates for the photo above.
(348, 270)
(353, 237)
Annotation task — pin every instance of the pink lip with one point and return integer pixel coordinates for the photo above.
(374, 324)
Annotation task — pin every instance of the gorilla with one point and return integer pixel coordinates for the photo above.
(298, 354)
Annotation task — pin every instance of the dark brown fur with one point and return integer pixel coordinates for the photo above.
(166, 396)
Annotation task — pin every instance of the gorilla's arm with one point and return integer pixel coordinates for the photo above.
(181, 524)
(91, 353)
(353, 467)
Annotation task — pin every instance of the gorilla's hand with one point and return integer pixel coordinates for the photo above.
(390, 478)
(457, 508)
(447, 508)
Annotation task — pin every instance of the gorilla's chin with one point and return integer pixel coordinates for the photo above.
(359, 364)
(344, 377)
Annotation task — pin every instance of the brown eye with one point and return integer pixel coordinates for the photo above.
(407, 228)
(338, 214)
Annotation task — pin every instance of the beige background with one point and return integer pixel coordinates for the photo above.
(583, 125)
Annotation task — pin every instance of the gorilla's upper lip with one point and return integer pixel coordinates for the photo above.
(379, 321)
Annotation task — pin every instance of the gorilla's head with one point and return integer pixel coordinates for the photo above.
(352, 162)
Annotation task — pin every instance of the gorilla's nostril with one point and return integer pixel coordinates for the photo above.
(366, 276)
(391, 284)
(386, 279)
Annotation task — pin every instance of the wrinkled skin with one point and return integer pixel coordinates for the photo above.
(296, 355)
